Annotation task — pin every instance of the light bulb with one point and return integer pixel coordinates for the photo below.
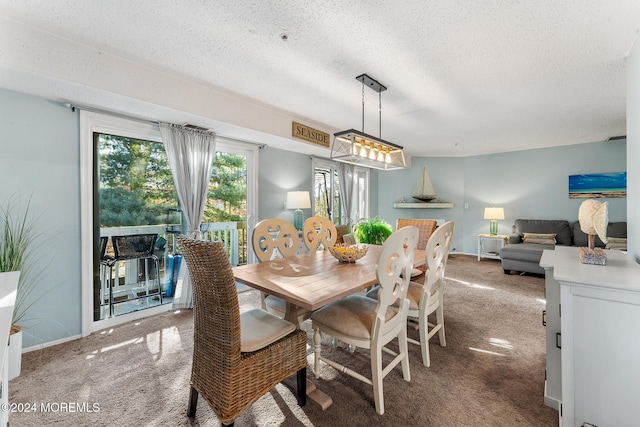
(387, 157)
(372, 151)
(363, 150)
(380, 154)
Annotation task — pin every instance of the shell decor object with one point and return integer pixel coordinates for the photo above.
(594, 219)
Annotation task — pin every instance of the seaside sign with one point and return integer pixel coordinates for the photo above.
(309, 134)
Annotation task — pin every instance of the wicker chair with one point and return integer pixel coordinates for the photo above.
(426, 227)
(237, 358)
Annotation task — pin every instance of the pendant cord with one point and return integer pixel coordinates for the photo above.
(363, 107)
(380, 115)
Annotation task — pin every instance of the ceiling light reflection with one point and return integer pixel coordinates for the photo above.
(469, 284)
(501, 343)
(122, 344)
(493, 353)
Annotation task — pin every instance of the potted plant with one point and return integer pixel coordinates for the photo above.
(17, 235)
(373, 231)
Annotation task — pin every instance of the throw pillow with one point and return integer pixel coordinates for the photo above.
(619, 243)
(548, 239)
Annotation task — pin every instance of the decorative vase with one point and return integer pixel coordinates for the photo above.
(8, 289)
(15, 352)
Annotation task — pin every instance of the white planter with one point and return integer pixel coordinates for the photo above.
(15, 355)
(8, 289)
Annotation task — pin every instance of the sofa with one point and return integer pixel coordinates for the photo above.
(532, 236)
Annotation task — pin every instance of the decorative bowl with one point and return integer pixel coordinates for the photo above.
(348, 253)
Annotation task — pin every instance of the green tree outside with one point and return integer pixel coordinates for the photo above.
(136, 186)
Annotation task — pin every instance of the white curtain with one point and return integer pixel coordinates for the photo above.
(345, 183)
(190, 154)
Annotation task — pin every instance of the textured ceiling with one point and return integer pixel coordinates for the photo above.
(463, 77)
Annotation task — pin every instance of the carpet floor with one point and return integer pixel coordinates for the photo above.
(491, 373)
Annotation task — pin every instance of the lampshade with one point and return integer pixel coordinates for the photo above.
(298, 200)
(358, 148)
(493, 213)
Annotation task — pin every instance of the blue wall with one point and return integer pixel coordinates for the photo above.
(447, 175)
(528, 184)
(40, 159)
(281, 171)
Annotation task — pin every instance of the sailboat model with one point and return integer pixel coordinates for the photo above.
(424, 190)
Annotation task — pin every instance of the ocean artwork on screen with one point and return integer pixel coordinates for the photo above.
(598, 185)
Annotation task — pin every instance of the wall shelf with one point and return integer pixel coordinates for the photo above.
(424, 205)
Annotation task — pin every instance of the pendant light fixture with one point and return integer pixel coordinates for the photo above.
(361, 149)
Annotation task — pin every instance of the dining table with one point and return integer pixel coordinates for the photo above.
(311, 281)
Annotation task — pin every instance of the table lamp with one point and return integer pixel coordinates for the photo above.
(493, 214)
(298, 200)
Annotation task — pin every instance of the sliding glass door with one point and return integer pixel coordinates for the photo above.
(128, 190)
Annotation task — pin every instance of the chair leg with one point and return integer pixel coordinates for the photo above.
(376, 379)
(440, 320)
(317, 340)
(424, 340)
(193, 402)
(301, 380)
(111, 283)
(403, 348)
(157, 263)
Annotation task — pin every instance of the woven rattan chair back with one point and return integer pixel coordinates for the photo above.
(229, 380)
(425, 228)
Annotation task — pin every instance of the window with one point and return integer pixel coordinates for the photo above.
(326, 192)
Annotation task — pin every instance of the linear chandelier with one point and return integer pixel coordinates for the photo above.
(361, 149)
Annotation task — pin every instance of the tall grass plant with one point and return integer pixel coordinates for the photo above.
(18, 235)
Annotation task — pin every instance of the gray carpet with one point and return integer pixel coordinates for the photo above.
(491, 373)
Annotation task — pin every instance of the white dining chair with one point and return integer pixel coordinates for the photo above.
(425, 228)
(367, 323)
(319, 233)
(428, 298)
(276, 238)
(425, 299)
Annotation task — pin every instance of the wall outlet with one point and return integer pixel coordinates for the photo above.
(466, 205)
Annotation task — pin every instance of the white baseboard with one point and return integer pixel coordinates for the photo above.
(103, 324)
(51, 343)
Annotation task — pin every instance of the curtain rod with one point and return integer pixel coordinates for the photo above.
(73, 108)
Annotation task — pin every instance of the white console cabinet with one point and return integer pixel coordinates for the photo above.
(599, 320)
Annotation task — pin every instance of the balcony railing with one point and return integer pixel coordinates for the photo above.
(232, 234)
(129, 273)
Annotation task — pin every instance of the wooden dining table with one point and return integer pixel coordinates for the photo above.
(312, 281)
